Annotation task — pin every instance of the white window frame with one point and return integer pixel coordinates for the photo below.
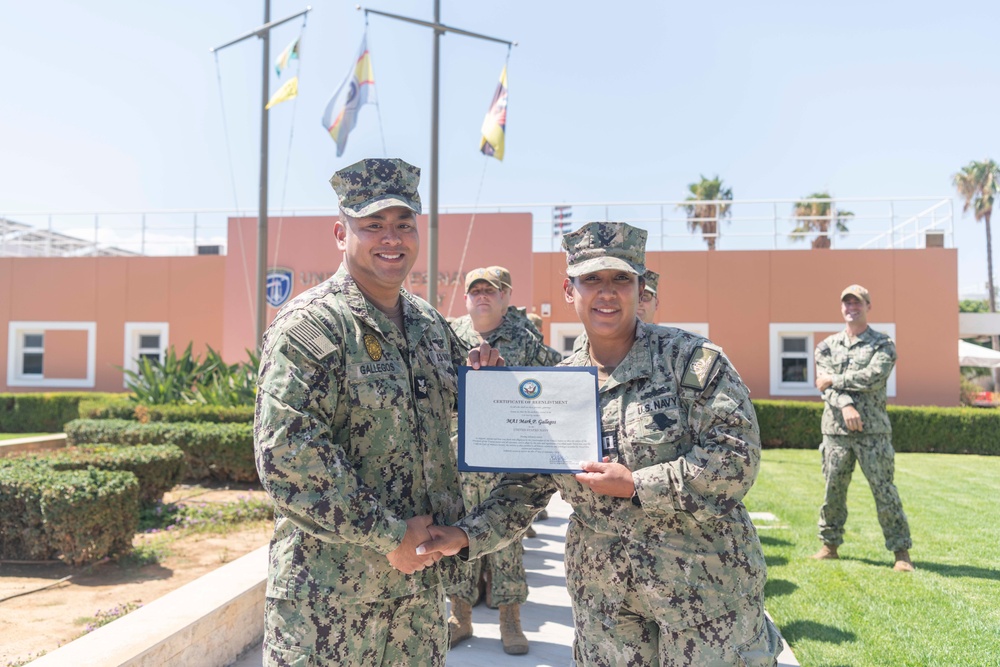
(808, 386)
(780, 330)
(133, 331)
(560, 330)
(15, 351)
(23, 349)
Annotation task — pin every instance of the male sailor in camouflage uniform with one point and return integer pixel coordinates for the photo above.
(852, 368)
(491, 318)
(663, 564)
(356, 390)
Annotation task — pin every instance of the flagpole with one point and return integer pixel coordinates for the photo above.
(432, 214)
(262, 196)
(263, 32)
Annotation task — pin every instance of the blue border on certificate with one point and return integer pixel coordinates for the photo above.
(532, 393)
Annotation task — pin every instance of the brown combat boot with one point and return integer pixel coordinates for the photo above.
(460, 622)
(542, 516)
(903, 563)
(514, 641)
(828, 552)
(530, 532)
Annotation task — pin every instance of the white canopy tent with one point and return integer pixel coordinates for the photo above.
(976, 355)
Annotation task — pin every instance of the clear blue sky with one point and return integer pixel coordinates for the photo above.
(115, 104)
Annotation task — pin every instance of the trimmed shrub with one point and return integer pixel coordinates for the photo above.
(222, 452)
(157, 467)
(41, 412)
(242, 414)
(78, 515)
(793, 424)
(216, 414)
(946, 430)
(796, 424)
(115, 406)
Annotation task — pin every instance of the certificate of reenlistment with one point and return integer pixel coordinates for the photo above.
(527, 419)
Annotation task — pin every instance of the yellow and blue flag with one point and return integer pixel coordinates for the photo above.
(290, 53)
(341, 113)
(495, 124)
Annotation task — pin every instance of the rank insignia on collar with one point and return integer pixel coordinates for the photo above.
(699, 368)
(373, 347)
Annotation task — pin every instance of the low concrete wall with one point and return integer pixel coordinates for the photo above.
(208, 622)
(32, 444)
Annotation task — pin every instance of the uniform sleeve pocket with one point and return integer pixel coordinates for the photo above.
(287, 656)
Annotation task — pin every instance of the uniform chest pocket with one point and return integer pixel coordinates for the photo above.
(382, 391)
(860, 358)
(839, 362)
(436, 389)
(655, 436)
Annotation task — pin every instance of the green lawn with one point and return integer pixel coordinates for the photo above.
(15, 436)
(857, 611)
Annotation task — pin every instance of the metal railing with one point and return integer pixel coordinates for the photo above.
(750, 224)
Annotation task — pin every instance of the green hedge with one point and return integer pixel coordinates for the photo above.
(792, 424)
(78, 515)
(946, 430)
(157, 467)
(218, 451)
(167, 413)
(796, 424)
(42, 412)
(104, 406)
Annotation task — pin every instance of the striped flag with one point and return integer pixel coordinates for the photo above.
(495, 124)
(290, 53)
(341, 113)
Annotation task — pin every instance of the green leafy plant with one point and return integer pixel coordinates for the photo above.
(188, 379)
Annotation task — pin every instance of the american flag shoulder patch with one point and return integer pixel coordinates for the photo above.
(309, 336)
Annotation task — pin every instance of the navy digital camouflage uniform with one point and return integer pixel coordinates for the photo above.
(351, 436)
(860, 368)
(674, 576)
(520, 345)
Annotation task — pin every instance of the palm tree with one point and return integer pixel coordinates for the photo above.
(705, 216)
(817, 213)
(978, 183)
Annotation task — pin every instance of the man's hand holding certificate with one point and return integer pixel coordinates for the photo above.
(538, 419)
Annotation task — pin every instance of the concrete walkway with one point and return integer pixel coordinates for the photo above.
(547, 617)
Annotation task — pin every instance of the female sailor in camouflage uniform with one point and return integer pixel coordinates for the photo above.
(663, 564)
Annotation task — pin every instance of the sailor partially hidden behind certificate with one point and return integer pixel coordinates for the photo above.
(536, 419)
